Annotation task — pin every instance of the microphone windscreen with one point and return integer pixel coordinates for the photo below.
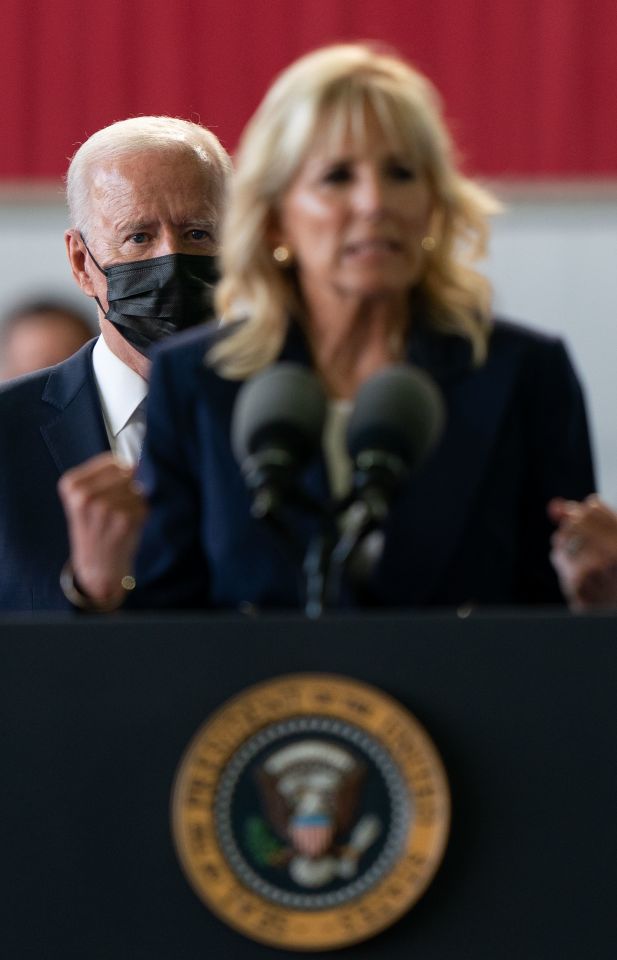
(281, 407)
(399, 411)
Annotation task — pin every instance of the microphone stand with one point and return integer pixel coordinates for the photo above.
(327, 557)
(361, 518)
(316, 569)
(378, 474)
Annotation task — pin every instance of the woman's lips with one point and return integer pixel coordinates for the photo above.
(374, 246)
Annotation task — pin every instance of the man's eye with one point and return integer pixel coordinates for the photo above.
(139, 237)
(199, 235)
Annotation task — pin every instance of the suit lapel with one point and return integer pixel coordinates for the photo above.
(74, 430)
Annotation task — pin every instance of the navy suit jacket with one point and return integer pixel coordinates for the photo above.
(49, 421)
(470, 527)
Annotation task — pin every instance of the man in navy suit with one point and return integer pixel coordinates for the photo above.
(145, 197)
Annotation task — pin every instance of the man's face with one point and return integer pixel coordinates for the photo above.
(150, 204)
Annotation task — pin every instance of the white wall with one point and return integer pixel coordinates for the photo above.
(32, 255)
(553, 263)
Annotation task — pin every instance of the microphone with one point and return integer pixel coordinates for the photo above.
(397, 420)
(276, 428)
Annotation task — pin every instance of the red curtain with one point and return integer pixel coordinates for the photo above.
(529, 86)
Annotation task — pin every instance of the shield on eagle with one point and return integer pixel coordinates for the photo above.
(310, 792)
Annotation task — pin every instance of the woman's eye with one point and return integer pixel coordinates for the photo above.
(401, 171)
(338, 174)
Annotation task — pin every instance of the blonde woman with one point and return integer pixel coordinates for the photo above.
(349, 245)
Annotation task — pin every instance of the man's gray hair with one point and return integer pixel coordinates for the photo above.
(131, 136)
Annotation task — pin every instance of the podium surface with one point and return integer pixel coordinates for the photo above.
(96, 714)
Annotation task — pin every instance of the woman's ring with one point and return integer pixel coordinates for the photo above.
(574, 544)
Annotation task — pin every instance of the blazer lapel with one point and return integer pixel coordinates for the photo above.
(434, 513)
(75, 429)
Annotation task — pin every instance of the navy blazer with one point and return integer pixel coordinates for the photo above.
(49, 421)
(470, 527)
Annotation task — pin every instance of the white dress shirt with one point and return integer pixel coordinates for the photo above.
(122, 393)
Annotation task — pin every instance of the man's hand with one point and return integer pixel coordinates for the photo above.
(105, 513)
(584, 552)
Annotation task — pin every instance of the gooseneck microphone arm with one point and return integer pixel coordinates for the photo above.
(277, 425)
(268, 477)
(376, 478)
(397, 419)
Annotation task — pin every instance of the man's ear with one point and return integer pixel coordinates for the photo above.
(77, 254)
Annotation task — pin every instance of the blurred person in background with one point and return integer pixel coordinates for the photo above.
(39, 333)
(349, 246)
(145, 198)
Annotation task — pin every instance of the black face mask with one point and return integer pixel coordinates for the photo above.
(151, 299)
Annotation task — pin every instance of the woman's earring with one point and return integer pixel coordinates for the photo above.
(428, 243)
(282, 254)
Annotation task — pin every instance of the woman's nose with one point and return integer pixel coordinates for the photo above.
(370, 194)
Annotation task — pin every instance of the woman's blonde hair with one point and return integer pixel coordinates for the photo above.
(336, 84)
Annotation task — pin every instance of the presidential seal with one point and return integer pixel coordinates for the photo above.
(310, 812)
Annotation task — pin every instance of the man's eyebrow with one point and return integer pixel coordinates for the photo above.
(134, 226)
(206, 221)
(139, 226)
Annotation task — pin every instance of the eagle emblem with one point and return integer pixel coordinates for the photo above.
(310, 811)
(310, 792)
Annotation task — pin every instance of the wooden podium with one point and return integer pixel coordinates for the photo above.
(95, 715)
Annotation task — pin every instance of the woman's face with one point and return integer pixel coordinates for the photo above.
(354, 218)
